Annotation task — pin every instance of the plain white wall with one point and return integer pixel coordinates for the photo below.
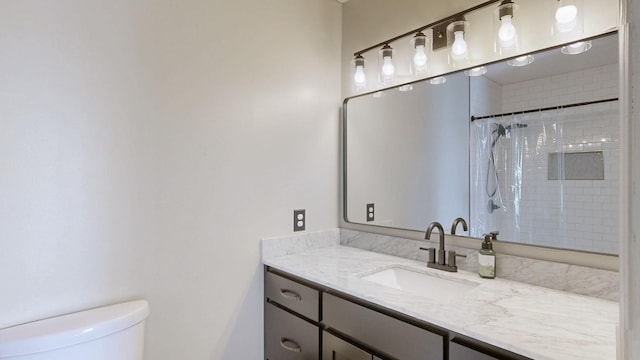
(146, 147)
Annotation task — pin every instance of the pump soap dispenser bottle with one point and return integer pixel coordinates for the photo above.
(487, 258)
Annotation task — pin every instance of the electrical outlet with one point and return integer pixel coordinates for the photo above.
(371, 212)
(299, 220)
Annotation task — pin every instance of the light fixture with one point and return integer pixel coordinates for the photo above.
(567, 17)
(476, 71)
(359, 77)
(507, 32)
(405, 88)
(386, 68)
(521, 61)
(576, 48)
(420, 58)
(438, 80)
(458, 47)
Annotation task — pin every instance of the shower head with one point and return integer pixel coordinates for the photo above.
(505, 131)
(501, 130)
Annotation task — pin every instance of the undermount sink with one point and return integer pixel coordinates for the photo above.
(421, 283)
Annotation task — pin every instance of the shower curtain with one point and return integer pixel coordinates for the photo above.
(511, 192)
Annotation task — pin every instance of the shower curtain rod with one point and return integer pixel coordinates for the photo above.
(474, 118)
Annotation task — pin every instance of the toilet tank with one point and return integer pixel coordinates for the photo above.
(114, 332)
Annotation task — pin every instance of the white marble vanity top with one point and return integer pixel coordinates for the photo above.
(533, 321)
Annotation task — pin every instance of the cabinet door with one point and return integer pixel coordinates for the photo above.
(288, 337)
(461, 349)
(461, 352)
(383, 333)
(334, 348)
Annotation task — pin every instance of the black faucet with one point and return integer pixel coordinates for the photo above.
(441, 263)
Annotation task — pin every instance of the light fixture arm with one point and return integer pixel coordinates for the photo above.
(448, 19)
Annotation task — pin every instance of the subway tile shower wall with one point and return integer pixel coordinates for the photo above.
(590, 212)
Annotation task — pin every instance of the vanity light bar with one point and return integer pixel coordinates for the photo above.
(444, 21)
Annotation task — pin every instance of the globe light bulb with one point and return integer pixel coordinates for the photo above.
(420, 58)
(387, 66)
(566, 18)
(459, 46)
(507, 32)
(359, 78)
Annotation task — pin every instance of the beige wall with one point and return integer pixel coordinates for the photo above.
(146, 147)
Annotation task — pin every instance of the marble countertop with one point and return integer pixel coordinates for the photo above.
(533, 321)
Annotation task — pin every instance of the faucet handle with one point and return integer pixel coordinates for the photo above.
(451, 255)
(494, 235)
(432, 254)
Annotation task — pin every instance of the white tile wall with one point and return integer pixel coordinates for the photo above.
(579, 214)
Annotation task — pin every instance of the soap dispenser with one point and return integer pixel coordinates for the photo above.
(487, 258)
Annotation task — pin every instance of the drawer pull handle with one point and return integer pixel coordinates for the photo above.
(290, 294)
(290, 345)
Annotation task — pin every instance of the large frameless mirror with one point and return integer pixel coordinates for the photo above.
(528, 147)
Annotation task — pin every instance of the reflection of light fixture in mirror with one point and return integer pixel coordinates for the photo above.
(567, 16)
(576, 48)
(420, 57)
(507, 31)
(359, 77)
(458, 47)
(404, 88)
(438, 80)
(521, 61)
(476, 71)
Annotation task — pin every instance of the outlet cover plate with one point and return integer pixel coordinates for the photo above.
(299, 220)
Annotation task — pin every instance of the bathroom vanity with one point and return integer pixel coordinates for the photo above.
(340, 302)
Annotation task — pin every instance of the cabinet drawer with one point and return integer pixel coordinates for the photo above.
(378, 331)
(334, 348)
(288, 337)
(295, 296)
(461, 352)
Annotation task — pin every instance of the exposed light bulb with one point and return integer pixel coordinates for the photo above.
(387, 66)
(459, 46)
(507, 32)
(420, 58)
(566, 18)
(359, 78)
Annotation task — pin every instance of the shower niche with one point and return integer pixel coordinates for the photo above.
(529, 151)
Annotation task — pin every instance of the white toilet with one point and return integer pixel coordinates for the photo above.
(114, 332)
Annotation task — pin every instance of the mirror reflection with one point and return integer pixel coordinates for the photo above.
(538, 163)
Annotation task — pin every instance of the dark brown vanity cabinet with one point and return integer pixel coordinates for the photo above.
(291, 312)
(303, 320)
